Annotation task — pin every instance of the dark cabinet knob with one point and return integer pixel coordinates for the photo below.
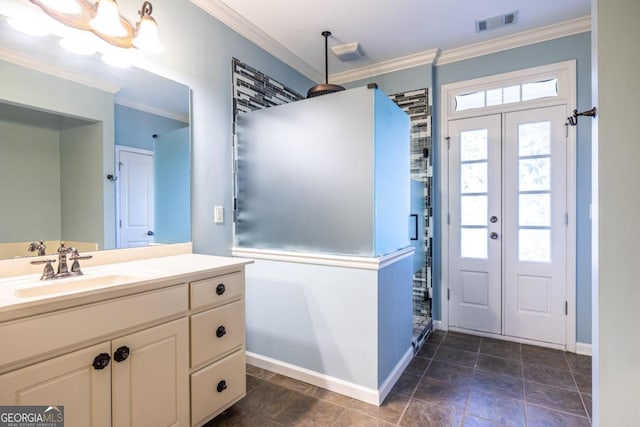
(221, 331)
(121, 354)
(222, 386)
(101, 361)
(150, 233)
(220, 289)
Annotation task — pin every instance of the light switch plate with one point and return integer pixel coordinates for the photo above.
(218, 217)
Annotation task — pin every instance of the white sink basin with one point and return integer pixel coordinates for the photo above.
(79, 283)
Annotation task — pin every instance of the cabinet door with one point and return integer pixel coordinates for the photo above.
(70, 381)
(151, 386)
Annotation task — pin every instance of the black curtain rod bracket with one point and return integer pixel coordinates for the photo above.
(573, 120)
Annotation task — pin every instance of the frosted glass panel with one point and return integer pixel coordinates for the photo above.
(494, 97)
(328, 174)
(535, 245)
(511, 94)
(535, 174)
(534, 139)
(541, 89)
(535, 209)
(473, 145)
(473, 210)
(470, 100)
(473, 242)
(473, 178)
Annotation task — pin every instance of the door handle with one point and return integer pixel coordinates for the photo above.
(415, 226)
(493, 235)
(493, 219)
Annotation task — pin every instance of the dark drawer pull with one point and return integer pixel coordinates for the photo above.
(101, 361)
(221, 331)
(121, 354)
(220, 289)
(222, 386)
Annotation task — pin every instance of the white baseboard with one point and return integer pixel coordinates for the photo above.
(391, 380)
(365, 394)
(583, 348)
(437, 324)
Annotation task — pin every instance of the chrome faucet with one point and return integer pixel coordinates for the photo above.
(63, 269)
(40, 247)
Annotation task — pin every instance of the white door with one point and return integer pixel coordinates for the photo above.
(508, 208)
(135, 198)
(535, 227)
(475, 196)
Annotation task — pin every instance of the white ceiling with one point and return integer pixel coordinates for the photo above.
(386, 29)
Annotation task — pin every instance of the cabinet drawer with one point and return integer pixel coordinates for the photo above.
(216, 331)
(216, 386)
(217, 290)
(48, 332)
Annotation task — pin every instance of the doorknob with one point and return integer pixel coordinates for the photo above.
(149, 233)
(493, 235)
(493, 219)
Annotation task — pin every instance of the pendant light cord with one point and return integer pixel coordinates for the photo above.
(326, 35)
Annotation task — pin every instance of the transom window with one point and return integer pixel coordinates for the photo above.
(507, 95)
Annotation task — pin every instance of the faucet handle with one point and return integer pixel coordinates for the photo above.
(48, 272)
(42, 261)
(75, 256)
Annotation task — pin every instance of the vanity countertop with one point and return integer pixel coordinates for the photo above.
(27, 295)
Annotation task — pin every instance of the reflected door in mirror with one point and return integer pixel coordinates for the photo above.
(136, 198)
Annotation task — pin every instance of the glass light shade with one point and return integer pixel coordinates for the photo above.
(146, 38)
(107, 19)
(118, 59)
(64, 6)
(32, 27)
(80, 44)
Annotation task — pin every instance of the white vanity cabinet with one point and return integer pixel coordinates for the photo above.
(67, 380)
(165, 351)
(147, 388)
(217, 345)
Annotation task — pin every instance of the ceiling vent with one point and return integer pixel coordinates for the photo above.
(347, 52)
(497, 21)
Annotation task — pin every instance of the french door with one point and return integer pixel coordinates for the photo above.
(507, 224)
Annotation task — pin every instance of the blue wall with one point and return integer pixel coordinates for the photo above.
(172, 159)
(135, 128)
(398, 81)
(576, 47)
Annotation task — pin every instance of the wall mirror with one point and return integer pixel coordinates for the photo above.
(73, 131)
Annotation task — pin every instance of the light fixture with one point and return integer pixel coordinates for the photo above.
(105, 21)
(147, 31)
(64, 6)
(28, 26)
(80, 44)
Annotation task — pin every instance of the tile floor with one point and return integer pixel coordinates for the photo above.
(455, 380)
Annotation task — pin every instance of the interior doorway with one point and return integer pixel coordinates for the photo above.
(134, 197)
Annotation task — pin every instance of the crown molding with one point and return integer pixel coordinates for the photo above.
(19, 58)
(550, 32)
(151, 110)
(240, 25)
(397, 64)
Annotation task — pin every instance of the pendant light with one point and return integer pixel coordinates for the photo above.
(324, 88)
